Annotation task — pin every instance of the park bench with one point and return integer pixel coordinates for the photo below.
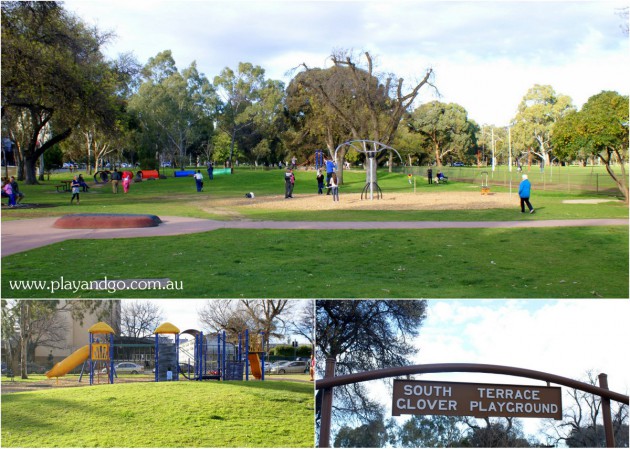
(60, 186)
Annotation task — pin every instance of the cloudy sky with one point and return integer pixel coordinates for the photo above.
(564, 337)
(485, 54)
(184, 313)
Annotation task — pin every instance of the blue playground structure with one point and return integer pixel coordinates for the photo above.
(212, 357)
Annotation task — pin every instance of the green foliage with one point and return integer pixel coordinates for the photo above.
(599, 129)
(372, 434)
(290, 351)
(444, 129)
(53, 158)
(52, 72)
(175, 110)
(539, 110)
(166, 414)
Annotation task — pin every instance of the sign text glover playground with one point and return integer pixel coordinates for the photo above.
(415, 397)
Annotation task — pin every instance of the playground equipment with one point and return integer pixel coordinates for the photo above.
(371, 149)
(206, 360)
(485, 188)
(98, 354)
(166, 353)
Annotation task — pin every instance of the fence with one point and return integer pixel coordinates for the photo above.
(572, 179)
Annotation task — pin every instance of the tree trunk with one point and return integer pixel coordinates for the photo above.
(24, 312)
(30, 176)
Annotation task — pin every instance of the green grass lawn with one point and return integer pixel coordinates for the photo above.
(227, 263)
(581, 262)
(177, 196)
(166, 414)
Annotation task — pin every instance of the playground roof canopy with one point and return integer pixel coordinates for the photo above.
(101, 328)
(166, 328)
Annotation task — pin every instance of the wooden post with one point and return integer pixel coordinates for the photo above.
(608, 427)
(327, 399)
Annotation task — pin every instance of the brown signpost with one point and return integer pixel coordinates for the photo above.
(417, 397)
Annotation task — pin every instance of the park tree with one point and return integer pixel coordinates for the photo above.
(174, 108)
(303, 322)
(351, 101)
(363, 336)
(371, 434)
(52, 75)
(270, 316)
(29, 323)
(581, 424)
(139, 319)
(411, 146)
(234, 316)
(506, 432)
(537, 113)
(429, 431)
(445, 129)
(251, 104)
(599, 129)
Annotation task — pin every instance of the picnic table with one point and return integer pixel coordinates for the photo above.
(64, 186)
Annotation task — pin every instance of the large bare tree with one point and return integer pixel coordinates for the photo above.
(353, 100)
(140, 318)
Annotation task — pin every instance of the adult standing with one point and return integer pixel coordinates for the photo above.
(210, 170)
(115, 180)
(524, 192)
(330, 169)
(16, 190)
(294, 162)
(430, 175)
(75, 186)
(334, 186)
(199, 180)
(289, 183)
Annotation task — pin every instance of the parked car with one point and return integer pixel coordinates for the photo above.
(126, 368)
(270, 365)
(298, 366)
(458, 164)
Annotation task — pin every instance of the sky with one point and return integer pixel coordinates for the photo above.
(563, 337)
(183, 313)
(485, 54)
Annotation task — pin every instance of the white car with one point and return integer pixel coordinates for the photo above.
(126, 368)
(298, 366)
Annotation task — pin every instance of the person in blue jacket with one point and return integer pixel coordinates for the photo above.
(524, 191)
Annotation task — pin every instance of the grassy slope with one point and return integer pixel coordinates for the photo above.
(174, 414)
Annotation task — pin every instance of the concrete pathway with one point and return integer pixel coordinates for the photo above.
(24, 235)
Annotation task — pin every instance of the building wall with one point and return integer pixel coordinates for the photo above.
(77, 334)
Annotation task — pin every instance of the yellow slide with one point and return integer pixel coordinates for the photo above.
(69, 363)
(254, 363)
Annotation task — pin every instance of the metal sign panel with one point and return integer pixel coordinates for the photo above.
(417, 397)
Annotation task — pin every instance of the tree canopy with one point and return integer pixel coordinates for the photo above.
(362, 336)
(53, 75)
(599, 129)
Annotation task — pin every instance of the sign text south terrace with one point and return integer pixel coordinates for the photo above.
(415, 397)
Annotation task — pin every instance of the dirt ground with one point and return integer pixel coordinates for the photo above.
(62, 382)
(390, 201)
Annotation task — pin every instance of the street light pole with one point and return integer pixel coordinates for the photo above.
(510, 149)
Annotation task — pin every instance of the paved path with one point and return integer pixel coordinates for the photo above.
(23, 235)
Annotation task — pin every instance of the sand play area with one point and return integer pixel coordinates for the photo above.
(390, 201)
